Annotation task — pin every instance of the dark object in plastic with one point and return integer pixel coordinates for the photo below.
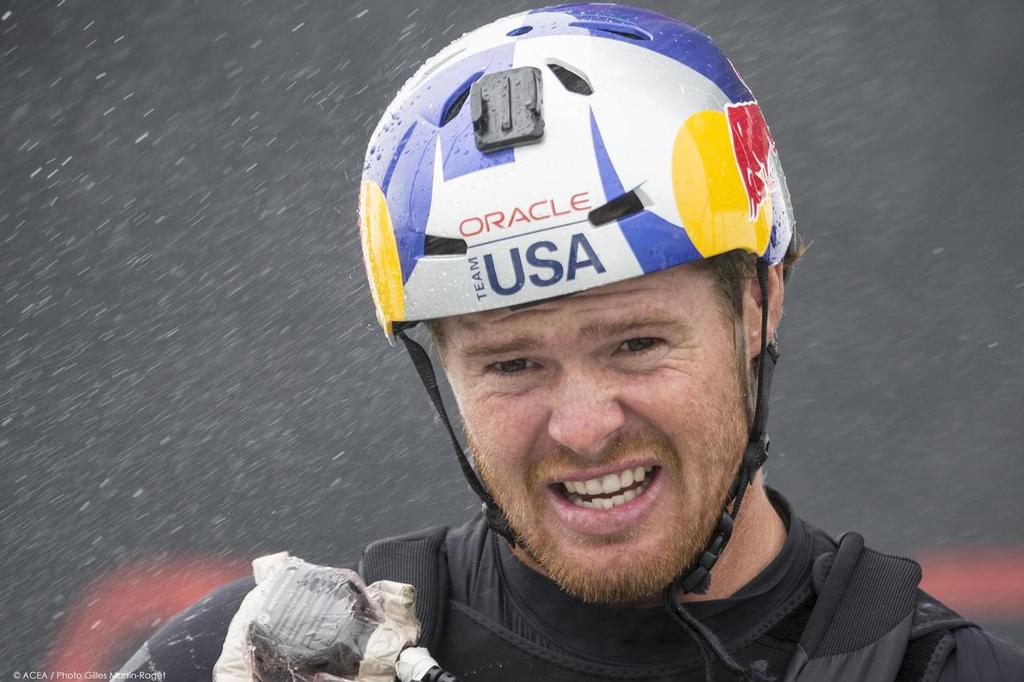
(314, 619)
(506, 108)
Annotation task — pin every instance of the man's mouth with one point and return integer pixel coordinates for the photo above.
(610, 490)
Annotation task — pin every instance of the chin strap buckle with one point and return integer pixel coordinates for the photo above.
(698, 579)
(756, 454)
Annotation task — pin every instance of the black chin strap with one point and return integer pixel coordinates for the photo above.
(697, 579)
(421, 360)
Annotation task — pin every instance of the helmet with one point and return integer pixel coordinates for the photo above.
(561, 149)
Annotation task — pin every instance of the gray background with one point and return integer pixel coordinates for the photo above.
(189, 358)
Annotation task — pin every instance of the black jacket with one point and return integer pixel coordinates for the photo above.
(760, 624)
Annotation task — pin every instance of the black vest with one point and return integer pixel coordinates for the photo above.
(869, 621)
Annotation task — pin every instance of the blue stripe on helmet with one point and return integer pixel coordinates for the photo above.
(657, 244)
(394, 159)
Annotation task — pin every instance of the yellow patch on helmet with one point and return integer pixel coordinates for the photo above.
(380, 255)
(710, 195)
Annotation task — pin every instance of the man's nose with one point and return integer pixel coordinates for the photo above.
(585, 415)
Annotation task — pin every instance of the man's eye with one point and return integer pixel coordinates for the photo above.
(510, 366)
(639, 345)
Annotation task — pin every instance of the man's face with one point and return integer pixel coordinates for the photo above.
(607, 425)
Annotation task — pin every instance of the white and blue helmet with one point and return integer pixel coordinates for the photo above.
(562, 149)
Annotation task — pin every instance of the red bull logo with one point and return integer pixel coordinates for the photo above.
(751, 143)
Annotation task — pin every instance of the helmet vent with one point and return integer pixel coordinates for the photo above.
(621, 30)
(455, 105)
(572, 81)
(443, 246)
(619, 207)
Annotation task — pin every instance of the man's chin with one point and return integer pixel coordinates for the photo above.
(621, 569)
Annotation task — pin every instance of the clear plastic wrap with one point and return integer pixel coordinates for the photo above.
(313, 620)
(309, 623)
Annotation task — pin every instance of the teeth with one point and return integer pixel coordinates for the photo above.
(609, 502)
(606, 485)
(603, 489)
(610, 483)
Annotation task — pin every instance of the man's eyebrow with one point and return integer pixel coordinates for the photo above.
(592, 330)
(516, 345)
(599, 330)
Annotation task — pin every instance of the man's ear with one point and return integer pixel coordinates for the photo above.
(752, 308)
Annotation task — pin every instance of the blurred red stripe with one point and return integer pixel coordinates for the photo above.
(124, 606)
(980, 582)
